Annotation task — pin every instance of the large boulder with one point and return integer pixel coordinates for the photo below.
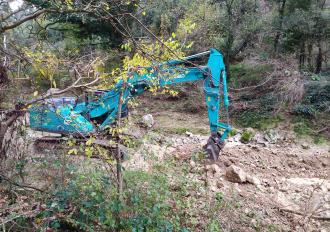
(236, 174)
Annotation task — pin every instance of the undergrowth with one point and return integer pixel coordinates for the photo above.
(244, 75)
(159, 200)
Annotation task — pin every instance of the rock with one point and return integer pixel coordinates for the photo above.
(235, 174)
(285, 203)
(213, 168)
(227, 163)
(287, 73)
(220, 183)
(304, 183)
(254, 222)
(134, 132)
(214, 188)
(266, 221)
(148, 120)
(271, 136)
(260, 139)
(253, 180)
(192, 164)
(305, 146)
(216, 168)
(189, 134)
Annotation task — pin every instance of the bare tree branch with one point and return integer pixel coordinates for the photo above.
(23, 20)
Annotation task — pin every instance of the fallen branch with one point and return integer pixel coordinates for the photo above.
(322, 130)
(4, 178)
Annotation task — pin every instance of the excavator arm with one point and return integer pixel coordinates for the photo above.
(93, 115)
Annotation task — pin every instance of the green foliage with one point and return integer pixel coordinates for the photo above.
(233, 132)
(302, 126)
(319, 140)
(89, 203)
(244, 75)
(304, 110)
(315, 102)
(92, 25)
(258, 119)
(247, 135)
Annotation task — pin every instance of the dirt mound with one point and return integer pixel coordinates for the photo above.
(280, 184)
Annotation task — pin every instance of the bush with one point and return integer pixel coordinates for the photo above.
(244, 75)
(89, 203)
(257, 119)
(247, 135)
(304, 110)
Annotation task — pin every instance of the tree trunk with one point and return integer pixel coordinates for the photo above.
(230, 38)
(302, 55)
(319, 58)
(279, 30)
(119, 168)
(309, 58)
(3, 75)
(3, 129)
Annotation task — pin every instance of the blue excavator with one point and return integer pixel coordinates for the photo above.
(93, 114)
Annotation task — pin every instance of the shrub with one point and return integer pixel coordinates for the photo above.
(304, 110)
(89, 203)
(247, 135)
(245, 75)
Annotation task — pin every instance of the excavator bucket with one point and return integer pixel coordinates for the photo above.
(214, 146)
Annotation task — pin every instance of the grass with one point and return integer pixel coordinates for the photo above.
(181, 130)
(319, 140)
(302, 129)
(258, 120)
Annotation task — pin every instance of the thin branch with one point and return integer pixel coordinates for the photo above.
(2, 177)
(23, 20)
(255, 86)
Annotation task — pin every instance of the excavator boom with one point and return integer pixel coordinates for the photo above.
(68, 116)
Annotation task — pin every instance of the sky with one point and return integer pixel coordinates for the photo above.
(15, 4)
